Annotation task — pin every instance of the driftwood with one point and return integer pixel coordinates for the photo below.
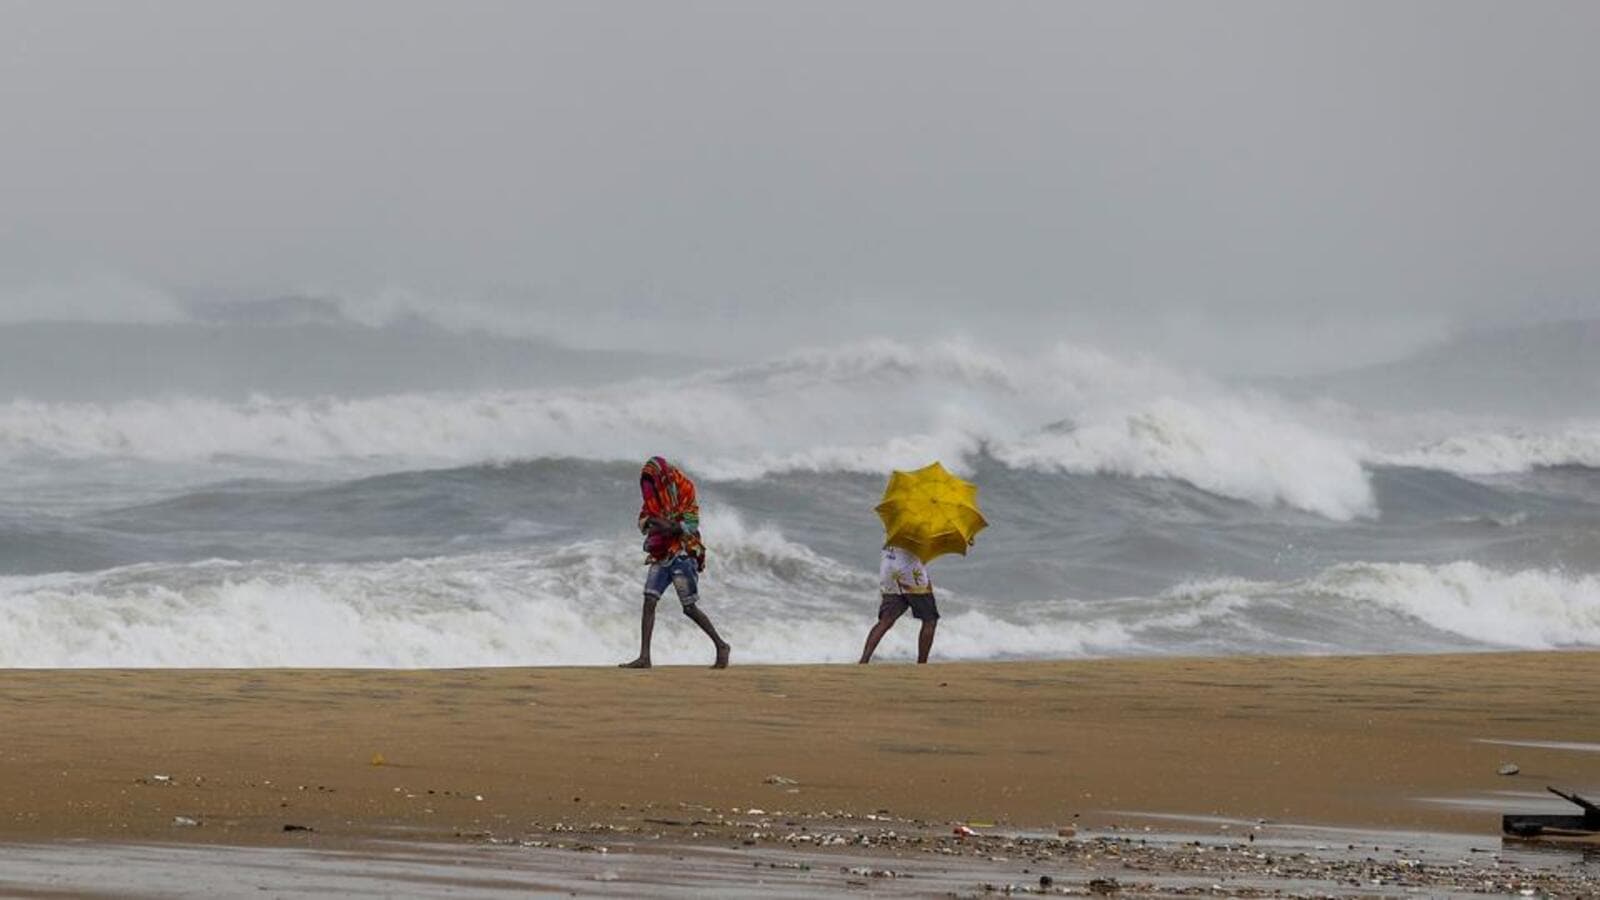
(1583, 825)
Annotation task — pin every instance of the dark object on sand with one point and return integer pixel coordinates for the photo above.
(1585, 825)
(298, 828)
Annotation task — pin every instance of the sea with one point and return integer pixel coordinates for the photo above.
(322, 493)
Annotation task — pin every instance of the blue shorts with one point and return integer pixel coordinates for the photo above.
(680, 573)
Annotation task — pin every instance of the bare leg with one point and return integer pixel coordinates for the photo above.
(925, 639)
(704, 621)
(647, 626)
(879, 629)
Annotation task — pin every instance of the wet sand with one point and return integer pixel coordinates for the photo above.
(1389, 742)
(619, 865)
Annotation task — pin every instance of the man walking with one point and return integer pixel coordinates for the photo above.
(904, 584)
(669, 518)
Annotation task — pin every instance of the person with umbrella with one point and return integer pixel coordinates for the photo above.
(925, 513)
(669, 518)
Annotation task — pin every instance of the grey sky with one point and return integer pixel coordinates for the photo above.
(1242, 185)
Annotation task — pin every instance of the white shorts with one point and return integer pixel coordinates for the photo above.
(901, 572)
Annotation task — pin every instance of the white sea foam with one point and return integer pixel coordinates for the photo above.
(1533, 608)
(865, 408)
(777, 601)
(1226, 447)
(1529, 609)
(1506, 450)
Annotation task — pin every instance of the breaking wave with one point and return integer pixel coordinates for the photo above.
(1535, 609)
(865, 408)
(777, 600)
(1506, 451)
(576, 605)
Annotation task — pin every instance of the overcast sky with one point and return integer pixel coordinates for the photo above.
(1240, 185)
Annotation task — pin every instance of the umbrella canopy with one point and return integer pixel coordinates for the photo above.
(930, 512)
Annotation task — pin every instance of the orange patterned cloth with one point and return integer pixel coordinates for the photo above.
(669, 494)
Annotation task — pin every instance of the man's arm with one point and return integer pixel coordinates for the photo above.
(657, 523)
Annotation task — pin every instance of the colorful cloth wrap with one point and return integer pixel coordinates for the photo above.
(669, 494)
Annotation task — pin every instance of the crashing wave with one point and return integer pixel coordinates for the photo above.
(1535, 609)
(865, 408)
(1506, 451)
(778, 601)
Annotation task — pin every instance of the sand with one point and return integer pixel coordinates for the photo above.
(1367, 741)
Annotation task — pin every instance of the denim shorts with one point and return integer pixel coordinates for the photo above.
(680, 573)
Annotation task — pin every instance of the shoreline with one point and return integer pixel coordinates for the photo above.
(1395, 742)
(736, 858)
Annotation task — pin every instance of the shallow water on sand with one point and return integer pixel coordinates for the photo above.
(1459, 864)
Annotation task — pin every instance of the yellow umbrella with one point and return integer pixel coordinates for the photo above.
(930, 512)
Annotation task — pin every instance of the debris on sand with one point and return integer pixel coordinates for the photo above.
(868, 872)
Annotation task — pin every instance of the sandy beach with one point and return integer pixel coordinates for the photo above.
(1391, 742)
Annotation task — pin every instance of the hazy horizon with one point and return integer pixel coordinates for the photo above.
(1240, 187)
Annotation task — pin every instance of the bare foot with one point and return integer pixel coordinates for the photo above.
(722, 656)
(642, 662)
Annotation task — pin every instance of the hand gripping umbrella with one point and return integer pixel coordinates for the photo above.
(930, 512)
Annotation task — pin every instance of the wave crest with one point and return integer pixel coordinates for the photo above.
(777, 601)
(1533, 609)
(1507, 451)
(864, 408)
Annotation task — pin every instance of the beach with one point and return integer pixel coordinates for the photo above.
(1388, 742)
(1374, 775)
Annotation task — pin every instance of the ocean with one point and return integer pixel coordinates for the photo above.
(1134, 508)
